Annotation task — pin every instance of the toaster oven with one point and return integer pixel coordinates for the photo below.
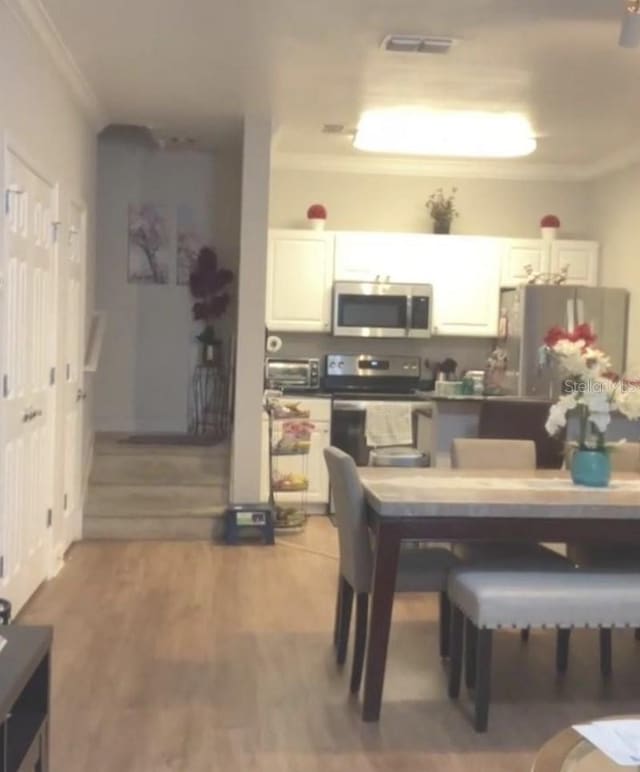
(299, 373)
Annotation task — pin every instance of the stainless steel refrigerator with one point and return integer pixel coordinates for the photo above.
(529, 311)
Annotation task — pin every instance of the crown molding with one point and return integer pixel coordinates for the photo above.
(615, 162)
(34, 17)
(411, 167)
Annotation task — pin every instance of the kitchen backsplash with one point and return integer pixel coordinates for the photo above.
(469, 353)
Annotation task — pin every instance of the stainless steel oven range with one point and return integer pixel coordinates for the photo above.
(359, 380)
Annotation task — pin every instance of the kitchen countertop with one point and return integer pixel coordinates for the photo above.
(426, 396)
(431, 396)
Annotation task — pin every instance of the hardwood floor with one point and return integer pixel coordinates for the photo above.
(190, 656)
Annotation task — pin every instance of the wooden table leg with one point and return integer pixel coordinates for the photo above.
(384, 585)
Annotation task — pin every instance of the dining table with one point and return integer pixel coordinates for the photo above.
(439, 504)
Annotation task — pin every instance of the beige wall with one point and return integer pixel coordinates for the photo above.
(246, 448)
(396, 203)
(613, 204)
(149, 350)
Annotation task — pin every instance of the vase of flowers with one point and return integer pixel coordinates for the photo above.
(208, 285)
(591, 391)
(442, 209)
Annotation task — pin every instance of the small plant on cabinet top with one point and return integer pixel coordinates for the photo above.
(442, 209)
(208, 285)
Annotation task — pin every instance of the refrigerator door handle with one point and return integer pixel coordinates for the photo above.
(580, 310)
(571, 315)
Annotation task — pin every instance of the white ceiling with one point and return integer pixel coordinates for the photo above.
(196, 66)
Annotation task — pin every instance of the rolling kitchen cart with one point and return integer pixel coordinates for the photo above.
(289, 441)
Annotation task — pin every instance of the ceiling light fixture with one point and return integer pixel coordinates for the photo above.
(464, 134)
(630, 29)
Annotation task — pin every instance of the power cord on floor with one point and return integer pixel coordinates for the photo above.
(301, 548)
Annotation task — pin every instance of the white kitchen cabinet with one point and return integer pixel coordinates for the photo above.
(518, 255)
(466, 287)
(299, 281)
(581, 259)
(395, 257)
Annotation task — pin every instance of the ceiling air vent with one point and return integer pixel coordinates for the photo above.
(333, 128)
(417, 44)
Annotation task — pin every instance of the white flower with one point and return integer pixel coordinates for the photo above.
(628, 402)
(600, 420)
(558, 413)
(570, 356)
(597, 361)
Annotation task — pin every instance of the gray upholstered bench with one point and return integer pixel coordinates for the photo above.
(490, 600)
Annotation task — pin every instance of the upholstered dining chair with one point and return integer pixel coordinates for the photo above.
(515, 455)
(419, 570)
(495, 454)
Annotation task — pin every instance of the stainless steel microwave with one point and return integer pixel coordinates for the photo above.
(382, 309)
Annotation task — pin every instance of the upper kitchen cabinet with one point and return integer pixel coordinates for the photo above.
(578, 258)
(466, 289)
(391, 257)
(521, 256)
(299, 281)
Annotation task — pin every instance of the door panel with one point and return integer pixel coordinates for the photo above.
(72, 252)
(26, 410)
(543, 307)
(606, 311)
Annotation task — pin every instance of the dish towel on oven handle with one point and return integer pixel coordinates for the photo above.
(388, 424)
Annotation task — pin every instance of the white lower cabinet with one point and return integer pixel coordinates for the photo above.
(466, 290)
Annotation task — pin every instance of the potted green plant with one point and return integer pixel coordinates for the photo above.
(442, 209)
(208, 285)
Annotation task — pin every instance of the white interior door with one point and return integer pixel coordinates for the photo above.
(72, 251)
(28, 355)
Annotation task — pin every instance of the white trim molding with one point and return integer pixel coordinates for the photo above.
(465, 169)
(616, 161)
(35, 19)
(412, 167)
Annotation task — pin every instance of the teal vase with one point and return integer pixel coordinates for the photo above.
(591, 467)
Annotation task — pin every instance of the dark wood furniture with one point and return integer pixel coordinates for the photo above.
(521, 419)
(455, 505)
(24, 698)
